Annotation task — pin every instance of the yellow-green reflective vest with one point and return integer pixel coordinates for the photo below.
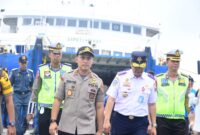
(50, 81)
(171, 96)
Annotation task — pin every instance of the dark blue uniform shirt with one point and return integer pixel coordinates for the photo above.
(22, 82)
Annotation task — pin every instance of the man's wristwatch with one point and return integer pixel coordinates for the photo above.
(154, 125)
(12, 124)
(53, 120)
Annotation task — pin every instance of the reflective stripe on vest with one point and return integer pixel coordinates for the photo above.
(171, 97)
(50, 81)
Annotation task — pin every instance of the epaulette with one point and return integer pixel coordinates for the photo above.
(41, 65)
(14, 69)
(30, 70)
(151, 76)
(67, 64)
(184, 75)
(121, 73)
(161, 74)
(95, 75)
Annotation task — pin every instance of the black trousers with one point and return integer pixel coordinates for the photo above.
(44, 121)
(63, 133)
(125, 125)
(171, 126)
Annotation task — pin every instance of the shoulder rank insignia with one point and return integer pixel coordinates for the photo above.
(184, 75)
(122, 73)
(158, 75)
(41, 65)
(151, 76)
(67, 64)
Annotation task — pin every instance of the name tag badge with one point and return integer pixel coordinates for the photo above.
(42, 110)
(141, 99)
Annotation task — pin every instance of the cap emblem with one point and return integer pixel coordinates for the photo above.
(177, 53)
(58, 45)
(139, 59)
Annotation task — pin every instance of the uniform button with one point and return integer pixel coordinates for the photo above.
(131, 117)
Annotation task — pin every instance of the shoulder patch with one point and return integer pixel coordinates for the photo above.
(158, 75)
(184, 75)
(67, 64)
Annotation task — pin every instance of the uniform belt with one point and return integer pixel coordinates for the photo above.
(176, 116)
(22, 92)
(45, 105)
(130, 117)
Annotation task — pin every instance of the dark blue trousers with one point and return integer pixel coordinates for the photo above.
(125, 125)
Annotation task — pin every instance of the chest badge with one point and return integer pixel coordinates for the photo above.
(47, 74)
(92, 82)
(69, 92)
(126, 83)
(181, 82)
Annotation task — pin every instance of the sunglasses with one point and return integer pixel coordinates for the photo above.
(85, 57)
(56, 53)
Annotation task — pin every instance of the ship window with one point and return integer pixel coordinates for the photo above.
(71, 50)
(137, 30)
(50, 21)
(71, 22)
(127, 28)
(96, 51)
(117, 54)
(106, 52)
(37, 21)
(60, 22)
(95, 24)
(116, 27)
(151, 33)
(105, 25)
(27, 21)
(83, 23)
(127, 55)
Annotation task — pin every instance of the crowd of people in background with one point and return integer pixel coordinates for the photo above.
(65, 101)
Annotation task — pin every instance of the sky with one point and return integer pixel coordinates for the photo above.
(178, 20)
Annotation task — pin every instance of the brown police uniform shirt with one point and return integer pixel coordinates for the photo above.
(80, 95)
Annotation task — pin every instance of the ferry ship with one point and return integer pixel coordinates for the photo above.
(113, 38)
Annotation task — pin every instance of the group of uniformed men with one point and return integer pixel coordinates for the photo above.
(71, 102)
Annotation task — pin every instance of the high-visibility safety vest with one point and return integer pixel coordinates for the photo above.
(171, 96)
(50, 81)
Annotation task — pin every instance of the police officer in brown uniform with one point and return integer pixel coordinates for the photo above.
(82, 92)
